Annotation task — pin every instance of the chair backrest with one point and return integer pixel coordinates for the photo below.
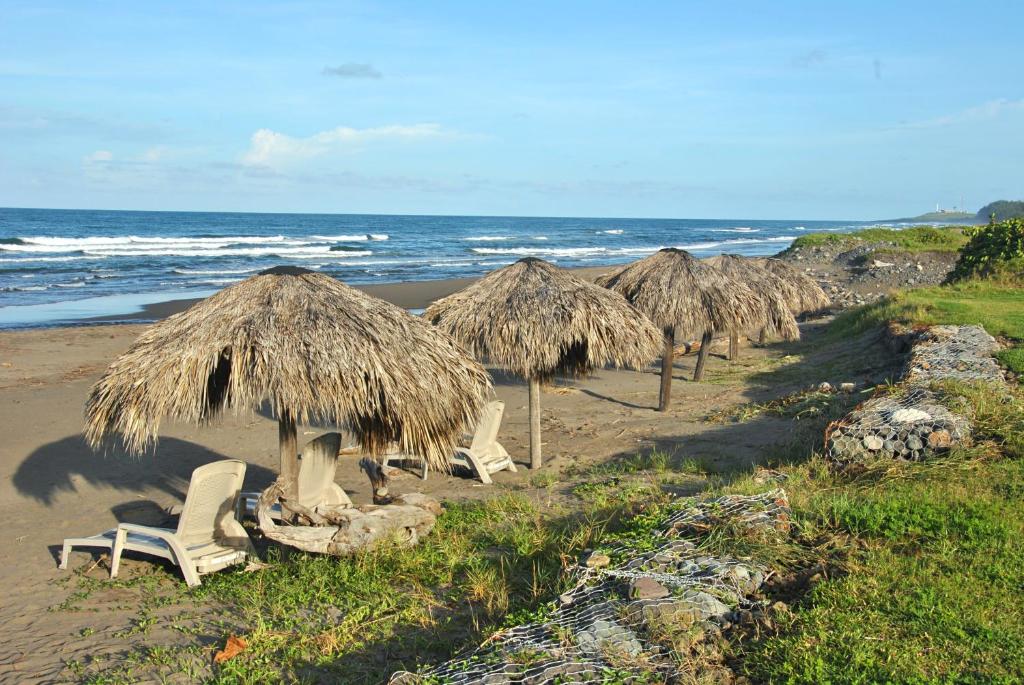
(316, 468)
(210, 501)
(487, 428)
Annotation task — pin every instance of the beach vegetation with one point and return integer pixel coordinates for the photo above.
(915, 239)
(899, 572)
(993, 251)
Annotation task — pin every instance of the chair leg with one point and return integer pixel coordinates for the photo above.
(120, 537)
(188, 569)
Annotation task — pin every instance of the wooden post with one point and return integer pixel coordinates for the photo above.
(763, 338)
(734, 345)
(535, 458)
(288, 442)
(666, 368)
(702, 356)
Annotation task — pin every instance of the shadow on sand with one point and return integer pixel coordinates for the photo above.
(61, 466)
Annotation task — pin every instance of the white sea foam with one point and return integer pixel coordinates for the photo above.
(68, 258)
(540, 237)
(217, 281)
(74, 284)
(355, 238)
(487, 238)
(738, 229)
(212, 272)
(562, 251)
(613, 231)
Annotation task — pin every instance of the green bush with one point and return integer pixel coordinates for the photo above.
(991, 250)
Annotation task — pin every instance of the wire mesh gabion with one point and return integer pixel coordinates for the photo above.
(962, 353)
(627, 610)
(913, 424)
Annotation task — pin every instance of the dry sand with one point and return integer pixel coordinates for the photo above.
(52, 486)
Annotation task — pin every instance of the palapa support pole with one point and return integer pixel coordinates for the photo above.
(666, 368)
(288, 443)
(535, 458)
(734, 345)
(702, 356)
(763, 338)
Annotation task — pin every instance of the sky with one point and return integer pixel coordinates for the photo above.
(813, 110)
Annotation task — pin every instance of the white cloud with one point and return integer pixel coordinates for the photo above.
(983, 112)
(99, 156)
(270, 148)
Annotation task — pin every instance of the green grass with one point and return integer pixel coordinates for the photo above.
(1013, 359)
(996, 305)
(917, 239)
(924, 561)
(930, 592)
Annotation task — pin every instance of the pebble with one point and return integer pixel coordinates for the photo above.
(873, 442)
(647, 588)
(940, 439)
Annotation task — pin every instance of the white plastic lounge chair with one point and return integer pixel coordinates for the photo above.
(208, 538)
(485, 455)
(317, 465)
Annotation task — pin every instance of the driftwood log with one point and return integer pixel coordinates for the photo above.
(341, 531)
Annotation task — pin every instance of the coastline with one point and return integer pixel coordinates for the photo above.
(407, 294)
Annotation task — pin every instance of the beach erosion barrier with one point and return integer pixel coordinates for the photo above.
(632, 607)
(910, 421)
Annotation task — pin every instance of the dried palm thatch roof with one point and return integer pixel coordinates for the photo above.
(677, 290)
(536, 320)
(767, 287)
(314, 348)
(802, 293)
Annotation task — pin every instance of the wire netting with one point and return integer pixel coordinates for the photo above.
(910, 425)
(913, 424)
(628, 612)
(961, 353)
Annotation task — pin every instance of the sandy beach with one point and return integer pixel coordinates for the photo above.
(52, 486)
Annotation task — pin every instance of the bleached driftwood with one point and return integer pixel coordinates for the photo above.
(341, 531)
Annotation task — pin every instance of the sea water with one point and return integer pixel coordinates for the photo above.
(59, 266)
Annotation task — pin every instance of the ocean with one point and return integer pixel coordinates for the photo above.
(63, 266)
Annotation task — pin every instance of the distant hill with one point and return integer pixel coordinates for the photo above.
(1003, 209)
(938, 218)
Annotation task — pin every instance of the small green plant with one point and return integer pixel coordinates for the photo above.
(993, 250)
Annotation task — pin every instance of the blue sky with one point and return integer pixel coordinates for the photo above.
(675, 109)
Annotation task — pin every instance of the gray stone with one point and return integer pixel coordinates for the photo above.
(605, 635)
(873, 442)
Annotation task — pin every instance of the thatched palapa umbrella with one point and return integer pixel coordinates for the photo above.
(315, 349)
(802, 293)
(680, 293)
(537, 320)
(769, 288)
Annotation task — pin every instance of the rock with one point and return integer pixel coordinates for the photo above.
(604, 636)
(940, 439)
(914, 443)
(847, 387)
(824, 386)
(873, 442)
(647, 588)
(910, 416)
(920, 268)
(597, 560)
(879, 264)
